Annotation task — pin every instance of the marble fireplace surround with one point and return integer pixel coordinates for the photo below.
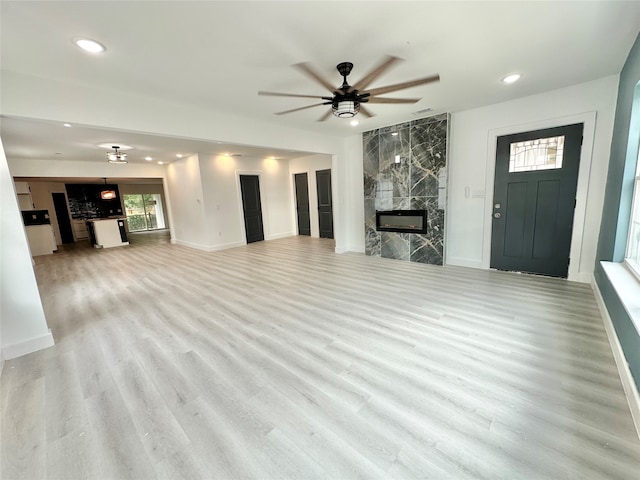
(405, 169)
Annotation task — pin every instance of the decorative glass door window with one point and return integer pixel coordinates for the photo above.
(538, 154)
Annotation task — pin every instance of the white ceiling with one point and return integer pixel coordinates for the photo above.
(218, 55)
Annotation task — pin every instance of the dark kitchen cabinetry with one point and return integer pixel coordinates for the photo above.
(85, 201)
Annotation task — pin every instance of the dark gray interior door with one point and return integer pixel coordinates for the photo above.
(302, 203)
(325, 209)
(62, 214)
(534, 195)
(250, 187)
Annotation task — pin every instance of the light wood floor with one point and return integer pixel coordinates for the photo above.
(282, 360)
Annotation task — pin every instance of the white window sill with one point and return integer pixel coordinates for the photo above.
(627, 286)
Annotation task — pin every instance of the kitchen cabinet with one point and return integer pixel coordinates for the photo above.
(41, 239)
(80, 231)
(23, 192)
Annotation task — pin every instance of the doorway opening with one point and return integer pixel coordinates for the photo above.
(144, 211)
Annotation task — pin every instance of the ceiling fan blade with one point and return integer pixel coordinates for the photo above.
(366, 113)
(315, 75)
(325, 116)
(401, 86)
(392, 100)
(375, 73)
(300, 108)
(276, 94)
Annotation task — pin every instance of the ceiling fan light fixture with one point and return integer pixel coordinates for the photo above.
(345, 109)
(116, 156)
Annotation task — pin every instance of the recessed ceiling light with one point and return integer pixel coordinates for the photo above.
(89, 45)
(67, 124)
(160, 163)
(354, 123)
(148, 159)
(179, 155)
(511, 78)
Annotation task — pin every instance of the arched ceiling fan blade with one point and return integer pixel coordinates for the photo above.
(325, 116)
(401, 86)
(276, 94)
(316, 76)
(366, 113)
(301, 108)
(392, 100)
(375, 73)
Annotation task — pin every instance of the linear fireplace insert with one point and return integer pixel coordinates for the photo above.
(403, 221)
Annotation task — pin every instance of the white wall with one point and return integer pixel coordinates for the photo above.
(352, 193)
(23, 327)
(66, 168)
(471, 164)
(206, 203)
(472, 161)
(309, 165)
(187, 203)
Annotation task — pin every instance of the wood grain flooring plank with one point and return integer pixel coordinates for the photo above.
(283, 360)
(156, 426)
(64, 405)
(23, 446)
(74, 457)
(122, 454)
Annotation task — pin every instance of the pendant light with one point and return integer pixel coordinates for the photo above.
(107, 194)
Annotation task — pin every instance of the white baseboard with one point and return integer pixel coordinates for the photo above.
(583, 277)
(628, 383)
(464, 262)
(215, 248)
(28, 346)
(209, 248)
(280, 235)
(349, 248)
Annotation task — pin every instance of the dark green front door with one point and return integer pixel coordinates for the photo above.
(534, 195)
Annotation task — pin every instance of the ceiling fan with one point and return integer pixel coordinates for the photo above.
(347, 100)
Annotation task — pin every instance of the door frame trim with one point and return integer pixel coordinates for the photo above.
(263, 204)
(582, 192)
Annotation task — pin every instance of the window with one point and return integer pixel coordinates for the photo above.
(144, 212)
(633, 243)
(538, 154)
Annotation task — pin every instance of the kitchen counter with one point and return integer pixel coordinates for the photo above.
(107, 232)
